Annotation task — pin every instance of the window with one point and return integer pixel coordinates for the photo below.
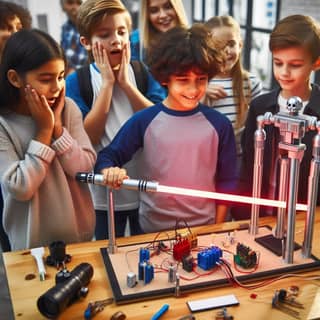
(257, 19)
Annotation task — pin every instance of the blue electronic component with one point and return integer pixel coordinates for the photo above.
(208, 258)
(148, 273)
(141, 270)
(144, 254)
(145, 268)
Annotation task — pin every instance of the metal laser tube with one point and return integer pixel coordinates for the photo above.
(140, 185)
(131, 184)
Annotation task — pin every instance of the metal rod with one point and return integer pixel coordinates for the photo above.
(111, 225)
(283, 192)
(312, 195)
(292, 199)
(259, 139)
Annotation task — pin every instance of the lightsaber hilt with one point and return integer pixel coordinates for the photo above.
(90, 177)
(140, 185)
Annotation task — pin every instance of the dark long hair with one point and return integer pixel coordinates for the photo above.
(24, 51)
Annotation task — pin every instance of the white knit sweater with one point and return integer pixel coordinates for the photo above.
(42, 200)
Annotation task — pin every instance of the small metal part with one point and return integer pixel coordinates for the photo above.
(223, 315)
(172, 271)
(280, 306)
(177, 288)
(58, 256)
(290, 300)
(119, 315)
(131, 279)
(94, 307)
(294, 105)
(140, 185)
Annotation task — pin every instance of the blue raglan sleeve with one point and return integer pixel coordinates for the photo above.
(122, 147)
(73, 92)
(226, 180)
(127, 141)
(226, 173)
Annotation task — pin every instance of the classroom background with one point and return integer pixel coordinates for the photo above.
(256, 17)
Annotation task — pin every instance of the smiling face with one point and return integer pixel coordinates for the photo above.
(292, 68)
(186, 90)
(231, 43)
(162, 15)
(112, 32)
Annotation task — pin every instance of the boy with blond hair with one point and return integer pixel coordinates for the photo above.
(104, 28)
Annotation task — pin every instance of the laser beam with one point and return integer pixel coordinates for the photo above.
(155, 187)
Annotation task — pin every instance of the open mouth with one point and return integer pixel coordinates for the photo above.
(115, 52)
(51, 101)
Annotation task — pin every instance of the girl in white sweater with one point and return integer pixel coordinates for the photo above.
(42, 146)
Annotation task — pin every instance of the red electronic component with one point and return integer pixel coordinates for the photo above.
(181, 249)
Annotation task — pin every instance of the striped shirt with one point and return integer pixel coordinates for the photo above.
(227, 105)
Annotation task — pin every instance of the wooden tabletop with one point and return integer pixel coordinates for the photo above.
(24, 293)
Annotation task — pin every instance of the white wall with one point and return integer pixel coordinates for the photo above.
(50, 10)
(54, 15)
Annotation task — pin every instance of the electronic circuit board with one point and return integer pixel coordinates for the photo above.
(242, 261)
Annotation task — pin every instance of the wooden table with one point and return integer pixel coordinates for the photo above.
(24, 293)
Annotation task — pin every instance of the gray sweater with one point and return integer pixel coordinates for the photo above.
(42, 200)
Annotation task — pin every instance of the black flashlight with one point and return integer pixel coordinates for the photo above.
(73, 287)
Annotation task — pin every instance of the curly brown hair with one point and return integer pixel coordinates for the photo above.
(9, 10)
(182, 49)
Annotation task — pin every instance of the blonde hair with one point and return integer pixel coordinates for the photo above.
(242, 96)
(148, 34)
(91, 13)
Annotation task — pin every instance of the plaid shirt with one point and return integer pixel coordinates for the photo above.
(75, 53)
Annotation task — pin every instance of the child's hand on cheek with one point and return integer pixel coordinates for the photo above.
(57, 111)
(42, 114)
(39, 108)
(123, 77)
(102, 62)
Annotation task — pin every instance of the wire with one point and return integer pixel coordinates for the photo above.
(229, 273)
